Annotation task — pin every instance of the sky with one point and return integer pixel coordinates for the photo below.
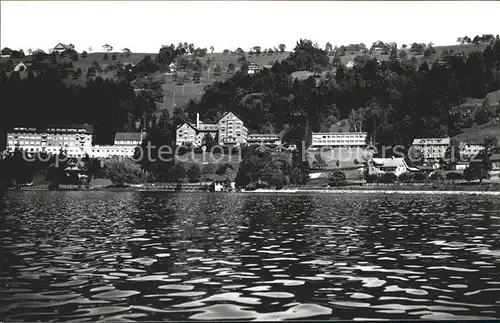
(144, 26)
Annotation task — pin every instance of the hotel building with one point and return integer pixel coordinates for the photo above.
(338, 139)
(471, 148)
(76, 140)
(432, 148)
(229, 129)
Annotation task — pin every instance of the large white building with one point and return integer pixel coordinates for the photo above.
(229, 130)
(432, 148)
(73, 140)
(76, 140)
(125, 144)
(338, 139)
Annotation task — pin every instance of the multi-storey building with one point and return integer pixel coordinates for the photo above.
(338, 139)
(229, 129)
(232, 131)
(125, 144)
(471, 148)
(263, 139)
(432, 148)
(75, 140)
(193, 134)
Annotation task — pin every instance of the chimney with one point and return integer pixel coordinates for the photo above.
(197, 120)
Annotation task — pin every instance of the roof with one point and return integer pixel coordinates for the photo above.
(226, 113)
(208, 127)
(388, 162)
(340, 133)
(59, 128)
(61, 45)
(473, 142)
(135, 136)
(263, 135)
(431, 141)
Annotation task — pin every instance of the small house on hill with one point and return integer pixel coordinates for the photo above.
(172, 68)
(107, 48)
(350, 65)
(20, 67)
(59, 48)
(393, 165)
(6, 52)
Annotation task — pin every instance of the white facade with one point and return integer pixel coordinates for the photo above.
(432, 148)
(74, 140)
(232, 131)
(253, 68)
(397, 166)
(263, 139)
(471, 148)
(339, 139)
(98, 151)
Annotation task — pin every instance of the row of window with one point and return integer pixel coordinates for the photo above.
(341, 136)
(127, 142)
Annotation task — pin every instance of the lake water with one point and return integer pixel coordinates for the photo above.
(89, 256)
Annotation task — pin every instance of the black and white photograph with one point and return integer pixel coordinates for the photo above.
(249, 161)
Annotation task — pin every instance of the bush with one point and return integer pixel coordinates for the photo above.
(419, 177)
(388, 178)
(251, 186)
(437, 176)
(371, 178)
(454, 176)
(193, 173)
(405, 177)
(124, 171)
(336, 178)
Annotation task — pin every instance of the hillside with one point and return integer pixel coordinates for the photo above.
(176, 95)
(478, 133)
(471, 104)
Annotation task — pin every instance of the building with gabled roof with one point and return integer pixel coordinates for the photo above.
(397, 166)
(60, 47)
(6, 52)
(432, 149)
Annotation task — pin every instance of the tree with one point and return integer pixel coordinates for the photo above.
(336, 178)
(319, 162)
(226, 51)
(328, 48)
(212, 49)
(208, 141)
(403, 54)
(256, 49)
(404, 46)
(84, 54)
(193, 173)
(282, 47)
(484, 113)
(230, 67)
(452, 154)
(239, 51)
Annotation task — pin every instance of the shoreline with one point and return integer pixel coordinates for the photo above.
(388, 192)
(286, 191)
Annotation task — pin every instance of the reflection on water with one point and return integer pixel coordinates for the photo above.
(89, 256)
